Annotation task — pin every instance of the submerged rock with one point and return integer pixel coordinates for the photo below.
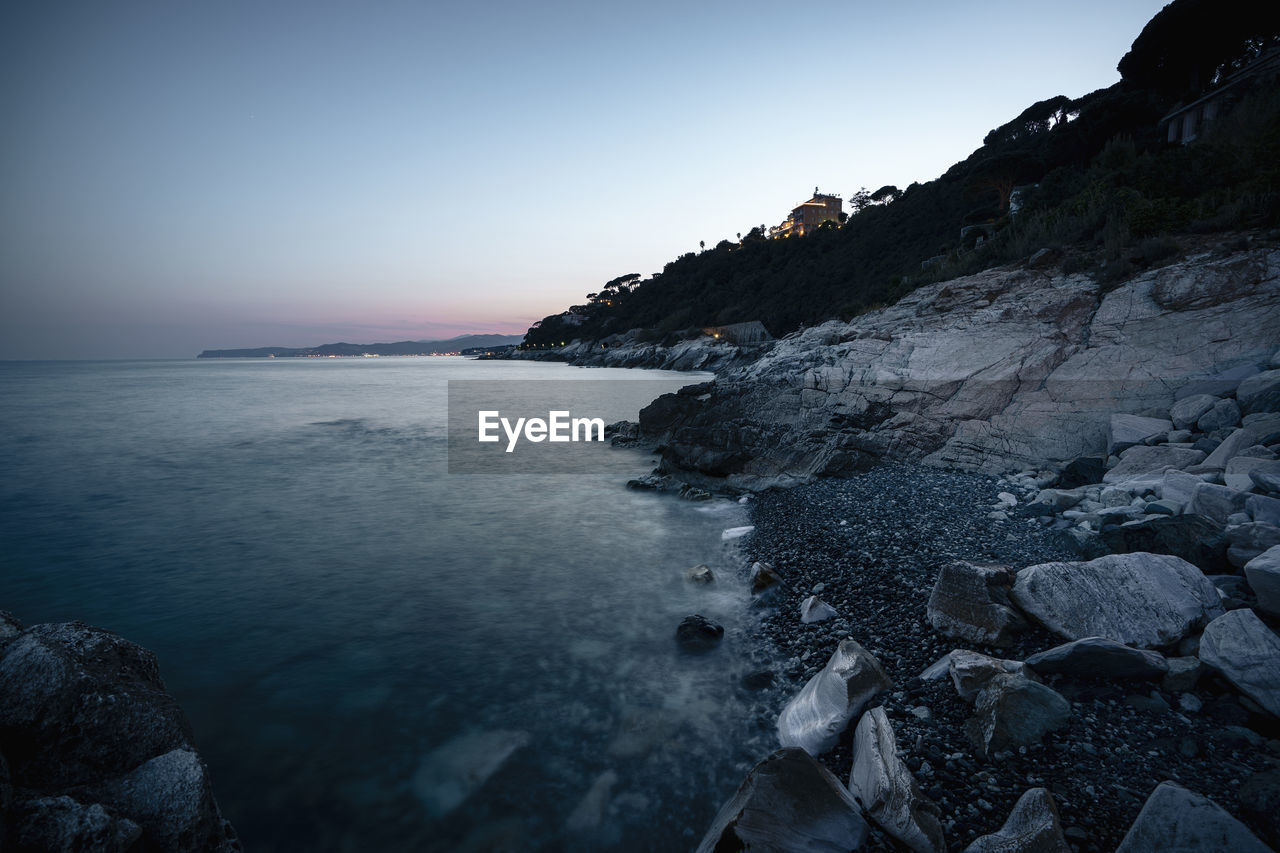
(1174, 820)
(1098, 657)
(453, 771)
(788, 802)
(815, 717)
(1013, 711)
(697, 633)
(1247, 653)
(971, 602)
(1032, 827)
(700, 574)
(1144, 600)
(887, 790)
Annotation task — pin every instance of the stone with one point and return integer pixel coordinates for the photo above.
(814, 609)
(1263, 574)
(62, 823)
(1181, 436)
(1260, 801)
(1178, 486)
(1124, 431)
(1142, 461)
(1266, 480)
(1249, 540)
(1188, 410)
(888, 792)
(1013, 711)
(815, 717)
(763, 578)
(1222, 415)
(788, 802)
(1240, 439)
(697, 633)
(1183, 674)
(1239, 471)
(972, 671)
(170, 798)
(937, 670)
(700, 574)
(1098, 657)
(1032, 827)
(1216, 502)
(732, 533)
(1263, 508)
(1082, 472)
(1174, 819)
(1143, 600)
(1260, 393)
(1246, 652)
(1060, 499)
(1199, 540)
(10, 627)
(970, 602)
(1221, 383)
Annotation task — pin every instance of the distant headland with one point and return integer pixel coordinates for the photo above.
(461, 345)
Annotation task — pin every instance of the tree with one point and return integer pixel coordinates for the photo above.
(886, 194)
(702, 244)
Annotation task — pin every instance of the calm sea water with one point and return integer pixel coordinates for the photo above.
(375, 654)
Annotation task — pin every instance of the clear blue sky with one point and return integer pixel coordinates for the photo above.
(185, 175)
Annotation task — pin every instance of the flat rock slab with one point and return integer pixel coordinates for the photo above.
(1247, 653)
(1124, 431)
(815, 717)
(887, 790)
(1142, 600)
(1032, 827)
(971, 602)
(1098, 657)
(1175, 820)
(1141, 461)
(788, 802)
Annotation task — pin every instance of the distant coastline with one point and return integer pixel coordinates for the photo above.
(461, 345)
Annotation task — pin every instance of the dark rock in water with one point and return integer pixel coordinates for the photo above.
(1196, 539)
(700, 573)
(1260, 800)
(98, 749)
(1175, 819)
(971, 602)
(698, 634)
(1098, 657)
(1084, 471)
(886, 789)
(1014, 711)
(763, 578)
(694, 493)
(1032, 827)
(650, 483)
(788, 802)
(761, 679)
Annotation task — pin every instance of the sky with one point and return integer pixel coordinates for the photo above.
(180, 175)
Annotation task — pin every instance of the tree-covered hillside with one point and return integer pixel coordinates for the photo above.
(1093, 174)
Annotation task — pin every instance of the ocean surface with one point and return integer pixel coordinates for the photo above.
(376, 654)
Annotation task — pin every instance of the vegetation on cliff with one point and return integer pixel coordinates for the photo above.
(1093, 173)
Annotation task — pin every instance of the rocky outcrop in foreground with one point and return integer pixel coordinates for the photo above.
(1007, 369)
(95, 755)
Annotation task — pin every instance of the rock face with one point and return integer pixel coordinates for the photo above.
(1098, 657)
(971, 602)
(97, 748)
(815, 717)
(1014, 711)
(1006, 368)
(1142, 600)
(1175, 819)
(887, 790)
(1247, 653)
(788, 802)
(1032, 827)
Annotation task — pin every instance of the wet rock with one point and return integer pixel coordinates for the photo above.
(763, 578)
(815, 717)
(1175, 819)
(1124, 431)
(697, 633)
(1098, 657)
(453, 771)
(1013, 711)
(700, 574)
(62, 823)
(971, 602)
(732, 533)
(788, 802)
(1198, 540)
(1032, 827)
(1142, 461)
(814, 609)
(1260, 393)
(971, 671)
(887, 790)
(1263, 574)
(1247, 653)
(1143, 600)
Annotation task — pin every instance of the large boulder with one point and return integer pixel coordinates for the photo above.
(1216, 502)
(1175, 820)
(1239, 471)
(887, 790)
(1195, 538)
(788, 802)
(1014, 711)
(1141, 461)
(1260, 393)
(1188, 410)
(1143, 600)
(1032, 827)
(1098, 657)
(971, 602)
(1263, 574)
(1246, 541)
(1222, 415)
(1241, 439)
(1125, 430)
(815, 717)
(1247, 653)
(1263, 508)
(971, 671)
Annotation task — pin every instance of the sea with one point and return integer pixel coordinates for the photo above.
(376, 654)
